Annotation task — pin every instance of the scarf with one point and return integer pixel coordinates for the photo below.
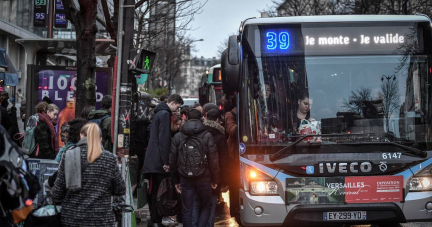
(54, 138)
(62, 150)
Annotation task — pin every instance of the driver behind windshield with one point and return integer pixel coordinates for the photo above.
(303, 110)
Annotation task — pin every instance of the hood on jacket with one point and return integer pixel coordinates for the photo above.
(193, 127)
(162, 106)
(215, 125)
(96, 114)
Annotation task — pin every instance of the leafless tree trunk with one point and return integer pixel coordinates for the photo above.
(390, 96)
(84, 22)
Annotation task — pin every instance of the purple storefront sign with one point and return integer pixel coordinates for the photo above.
(60, 85)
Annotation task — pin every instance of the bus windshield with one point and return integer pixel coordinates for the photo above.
(384, 98)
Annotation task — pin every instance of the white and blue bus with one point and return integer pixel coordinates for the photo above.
(334, 119)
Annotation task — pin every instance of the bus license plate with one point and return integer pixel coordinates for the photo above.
(345, 215)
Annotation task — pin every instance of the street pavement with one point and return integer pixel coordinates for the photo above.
(223, 217)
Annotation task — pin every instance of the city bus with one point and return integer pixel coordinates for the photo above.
(210, 90)
(333, 120)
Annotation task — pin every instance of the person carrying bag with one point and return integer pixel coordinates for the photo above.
(86, 195)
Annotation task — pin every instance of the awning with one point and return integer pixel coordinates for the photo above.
(9, 75)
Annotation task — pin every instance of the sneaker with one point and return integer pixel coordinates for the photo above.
(167, 221)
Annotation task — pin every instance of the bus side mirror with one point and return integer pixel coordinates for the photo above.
(233, 50)
(230, 75)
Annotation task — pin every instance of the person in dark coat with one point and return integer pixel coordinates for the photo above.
(12, 112)
(4, 119)
(45, 135)
(156, 165)
(213, 126)
(101, 179)
(200, 186)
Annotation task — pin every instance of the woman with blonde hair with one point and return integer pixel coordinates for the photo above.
(100, 179)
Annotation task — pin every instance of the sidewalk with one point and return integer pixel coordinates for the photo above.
(143, 214)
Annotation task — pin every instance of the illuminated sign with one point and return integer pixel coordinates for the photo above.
(277, 40)
(60, 15)
(316, 39)
(40, 13)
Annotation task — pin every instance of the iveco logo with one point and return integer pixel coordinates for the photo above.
(353, 167)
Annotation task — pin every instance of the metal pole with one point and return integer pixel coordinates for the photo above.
(50, 20)
(119, 63)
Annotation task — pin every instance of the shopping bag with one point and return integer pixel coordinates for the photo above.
(44, 216)
(142, 193)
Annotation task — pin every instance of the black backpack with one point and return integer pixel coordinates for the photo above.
(18, 185)
(192, 160)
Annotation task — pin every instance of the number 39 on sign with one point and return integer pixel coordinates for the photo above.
(391, 155)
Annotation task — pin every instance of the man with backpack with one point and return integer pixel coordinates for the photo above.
(194, 165)
(102, 118)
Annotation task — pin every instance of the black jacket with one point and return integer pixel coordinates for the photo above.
(218, 133)
(158, 149)
(4, 119)
(42, 136)
(195, 127)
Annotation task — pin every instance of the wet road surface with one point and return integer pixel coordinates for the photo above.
(223, 217)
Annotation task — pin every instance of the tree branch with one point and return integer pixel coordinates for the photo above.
(109, 25)
(138, 4)
(71, 11)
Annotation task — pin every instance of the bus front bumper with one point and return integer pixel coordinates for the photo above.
(272, 211)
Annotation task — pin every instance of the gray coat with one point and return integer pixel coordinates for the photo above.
(90, 206)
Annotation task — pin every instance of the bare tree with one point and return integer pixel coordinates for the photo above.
(335, 7)
(356, 99)
(390, 96)
(223, 45)
(84, 21)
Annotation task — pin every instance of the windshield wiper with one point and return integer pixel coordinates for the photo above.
(420, 153)
(279, 153)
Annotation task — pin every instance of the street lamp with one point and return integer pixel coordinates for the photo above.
(388, 77)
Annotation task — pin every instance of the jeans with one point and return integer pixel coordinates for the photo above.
(197, 211)
(190, 191)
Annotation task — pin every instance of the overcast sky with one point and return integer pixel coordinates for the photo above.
(219, 19)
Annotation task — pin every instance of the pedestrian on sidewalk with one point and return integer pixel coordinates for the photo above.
(156, 165)
(213, 126)
(102, 118)
(194, 167)
(72, 136)
(100, 180)
(45, 134)
(12, 113)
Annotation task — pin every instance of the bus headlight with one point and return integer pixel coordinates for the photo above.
(421, 181)
(264, 188)
(420, 184)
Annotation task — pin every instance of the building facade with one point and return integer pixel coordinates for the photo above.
(189, 80)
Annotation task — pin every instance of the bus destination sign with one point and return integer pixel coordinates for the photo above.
(339, 40)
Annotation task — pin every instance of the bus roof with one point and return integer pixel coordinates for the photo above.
(337, 18)
(215, 66)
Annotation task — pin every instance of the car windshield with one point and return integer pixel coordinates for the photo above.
(377, 98)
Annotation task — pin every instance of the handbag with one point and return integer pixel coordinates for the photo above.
(142, 192)
(21, 214)
(44, 216)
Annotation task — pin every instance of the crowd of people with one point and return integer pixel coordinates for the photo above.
(188, 147)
